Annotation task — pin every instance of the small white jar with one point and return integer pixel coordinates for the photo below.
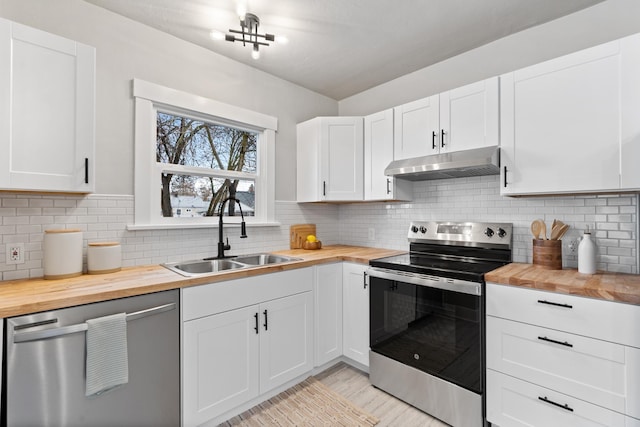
(104, 257)
(62, 257)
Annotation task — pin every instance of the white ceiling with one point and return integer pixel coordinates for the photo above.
(342, 47)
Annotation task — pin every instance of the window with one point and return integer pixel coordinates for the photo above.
(192, 153)
(214, 148)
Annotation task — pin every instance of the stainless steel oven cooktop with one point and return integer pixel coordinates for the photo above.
(427, 317)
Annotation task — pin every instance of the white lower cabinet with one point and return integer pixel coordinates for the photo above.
(355, 313)
(513, 403)
(328, 312)
(243, 338)
(547, 365)
(221, 362)
(286, 340)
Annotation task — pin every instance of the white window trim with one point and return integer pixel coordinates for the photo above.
(149, 98)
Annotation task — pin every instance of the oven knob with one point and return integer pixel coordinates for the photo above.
(488, 232)
(423, 229)
(414, 228)
(501, 233)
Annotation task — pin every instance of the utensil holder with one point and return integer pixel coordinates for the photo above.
(547, 253)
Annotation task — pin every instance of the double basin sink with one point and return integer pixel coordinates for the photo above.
(215, 265)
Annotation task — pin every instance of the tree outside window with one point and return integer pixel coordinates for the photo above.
(210, 150)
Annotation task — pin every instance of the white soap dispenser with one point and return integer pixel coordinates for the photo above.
(587, 254)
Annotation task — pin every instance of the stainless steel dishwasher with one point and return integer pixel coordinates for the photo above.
(44, 381)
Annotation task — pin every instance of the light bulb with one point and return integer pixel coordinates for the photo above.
(255, 53)
(282, 39)
(241, 10)
(216, 35)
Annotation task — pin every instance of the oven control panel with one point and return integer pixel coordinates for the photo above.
(465, 232)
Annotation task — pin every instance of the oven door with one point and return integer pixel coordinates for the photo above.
(430, 323)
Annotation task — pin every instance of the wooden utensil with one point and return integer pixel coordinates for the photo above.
(536, 228)
(556, 228)
(562, 231)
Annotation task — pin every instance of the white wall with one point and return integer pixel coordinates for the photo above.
(126, 49)
(603, 22)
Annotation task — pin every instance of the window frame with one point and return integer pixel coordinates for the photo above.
(150, 98)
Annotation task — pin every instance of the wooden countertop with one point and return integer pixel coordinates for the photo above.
(617, 287)
(18, 297)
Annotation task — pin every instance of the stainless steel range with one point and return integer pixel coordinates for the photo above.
(427, 317)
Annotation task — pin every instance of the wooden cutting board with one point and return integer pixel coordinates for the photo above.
(298, 234)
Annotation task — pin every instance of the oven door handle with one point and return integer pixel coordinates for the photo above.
(454, 285)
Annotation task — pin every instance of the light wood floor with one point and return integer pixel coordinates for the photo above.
(354, 385)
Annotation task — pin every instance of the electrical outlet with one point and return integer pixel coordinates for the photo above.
(372, 234)
(15, 253)
(573, 245)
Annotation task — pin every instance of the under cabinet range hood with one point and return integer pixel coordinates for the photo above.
(457, 164)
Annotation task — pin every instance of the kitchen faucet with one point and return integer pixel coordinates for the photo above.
(243, 228)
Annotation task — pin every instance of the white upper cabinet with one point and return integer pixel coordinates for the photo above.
(459, 119)
(470, 116)
(378, 153)
(416, 128)
(330, 159)
(46, 111)
(570, 125)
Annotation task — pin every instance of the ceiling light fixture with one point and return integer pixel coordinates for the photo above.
(249, 35)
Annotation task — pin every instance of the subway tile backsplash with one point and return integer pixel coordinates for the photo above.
(614, 218)
(23, 219)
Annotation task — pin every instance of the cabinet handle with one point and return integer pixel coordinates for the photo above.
(364, 281)
(504, 184)
(566, 344)
(442, 138)
(565, 406)
(256, 317)
(555, 304)
(266, 321)
(388, 184)
(86, 170)
(324, 188)
(433, 140)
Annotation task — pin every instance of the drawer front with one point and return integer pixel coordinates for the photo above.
(605, 320)
(204, 300)
(585, 368)
(512, 402)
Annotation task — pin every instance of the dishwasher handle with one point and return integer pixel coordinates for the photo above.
(27, 336)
